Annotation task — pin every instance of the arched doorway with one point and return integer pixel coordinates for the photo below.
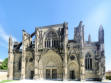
(51, 70)
(73, 71)
(51, 66)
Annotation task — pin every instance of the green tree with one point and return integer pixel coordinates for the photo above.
(4, 65)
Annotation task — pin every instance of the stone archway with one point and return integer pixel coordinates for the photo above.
(50, 65)
(73, 71)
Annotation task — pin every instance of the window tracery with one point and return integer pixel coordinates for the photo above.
(88, 62)
(51, 40)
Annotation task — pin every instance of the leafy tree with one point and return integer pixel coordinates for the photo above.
(4, 65)
(108, 77)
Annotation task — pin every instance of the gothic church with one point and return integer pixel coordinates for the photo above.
(48, 54)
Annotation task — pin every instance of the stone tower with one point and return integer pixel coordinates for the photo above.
(101, 51)
(79, 33)
(10, 59)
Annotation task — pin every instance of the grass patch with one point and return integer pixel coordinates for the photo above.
(4, 81)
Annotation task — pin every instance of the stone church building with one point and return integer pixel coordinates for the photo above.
(47, 53)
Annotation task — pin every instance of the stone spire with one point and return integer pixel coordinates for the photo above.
(101, 39)
(89, 38)
(10, 59)
(101, 51)
(101, 34)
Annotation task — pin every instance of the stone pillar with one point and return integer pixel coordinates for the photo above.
(23, 55)
(82, 65)
(65, 25)
(36, 70)
(10, 59)
(51, 43)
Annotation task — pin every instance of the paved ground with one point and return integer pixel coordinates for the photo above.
(45, 81)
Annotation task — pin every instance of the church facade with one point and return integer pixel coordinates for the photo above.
(48, 54)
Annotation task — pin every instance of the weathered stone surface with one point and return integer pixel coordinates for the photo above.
(50, 55)
(3, 75)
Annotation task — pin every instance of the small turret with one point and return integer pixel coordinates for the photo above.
(101, 34)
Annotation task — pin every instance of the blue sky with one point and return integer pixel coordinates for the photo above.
(16, 15)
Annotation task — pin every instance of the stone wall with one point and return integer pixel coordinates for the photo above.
(3, 75)
(17, 66)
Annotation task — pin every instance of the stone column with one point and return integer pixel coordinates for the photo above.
(10, 59)
(82, 66)
(51, 43)
(23, 55)
(65, 25)
(36, 70)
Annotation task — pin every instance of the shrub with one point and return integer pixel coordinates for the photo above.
(4, 65)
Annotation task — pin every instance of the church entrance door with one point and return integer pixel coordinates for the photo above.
(48, 74)
(54, 73)
(72, 75)
(51, 74)
(32, 74)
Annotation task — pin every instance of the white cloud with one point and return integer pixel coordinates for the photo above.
(4, 35)
(99, 15)
(1, 60)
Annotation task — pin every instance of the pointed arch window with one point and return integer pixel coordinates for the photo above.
(88, 62)
(51, 40)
